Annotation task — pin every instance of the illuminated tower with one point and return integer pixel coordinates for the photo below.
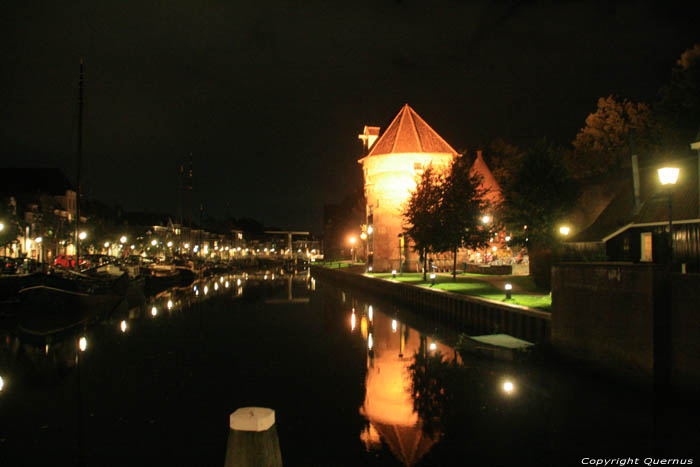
(390, 170)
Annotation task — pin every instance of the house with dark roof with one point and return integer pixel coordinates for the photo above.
(634, 226)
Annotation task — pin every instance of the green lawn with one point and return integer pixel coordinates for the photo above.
(472, 284)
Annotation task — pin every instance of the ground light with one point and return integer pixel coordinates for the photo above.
(393, 273)
(432, 279)
(508, 287)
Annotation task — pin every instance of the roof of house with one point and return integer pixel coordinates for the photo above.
(488, 181)
(409, 133)
(16, 181)
(621, 213)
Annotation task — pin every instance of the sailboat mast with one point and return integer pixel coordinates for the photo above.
(80, 163)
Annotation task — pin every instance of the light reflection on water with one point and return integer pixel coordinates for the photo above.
(388, 405)
(403, 394)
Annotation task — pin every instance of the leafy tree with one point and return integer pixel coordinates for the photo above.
(462, 207)
(538, 196)
(11, 228)
(678, 107)
(616, 130)
(501, 157)
(421, 213)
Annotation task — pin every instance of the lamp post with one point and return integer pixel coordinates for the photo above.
(352, 248)
(668, 176)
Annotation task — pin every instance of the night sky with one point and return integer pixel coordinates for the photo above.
(269, 97)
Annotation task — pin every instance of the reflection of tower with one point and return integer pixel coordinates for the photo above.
(388, 404)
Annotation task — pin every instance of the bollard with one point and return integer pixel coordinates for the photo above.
(252, 439)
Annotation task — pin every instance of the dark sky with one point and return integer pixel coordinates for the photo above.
(270, 96)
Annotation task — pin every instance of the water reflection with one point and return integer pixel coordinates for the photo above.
(390, 391)
(49, 357)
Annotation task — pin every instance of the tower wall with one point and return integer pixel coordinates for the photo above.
(389, 180)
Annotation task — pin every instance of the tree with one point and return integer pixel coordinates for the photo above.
(421, 213)
(11, 228)
(678, 107)
(615, 131)
(461, 210)
(536, 198)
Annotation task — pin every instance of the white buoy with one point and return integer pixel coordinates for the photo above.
(252, 439)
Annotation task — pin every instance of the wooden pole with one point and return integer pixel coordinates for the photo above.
(252, 439)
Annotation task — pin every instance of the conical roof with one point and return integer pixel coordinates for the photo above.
(408, 133)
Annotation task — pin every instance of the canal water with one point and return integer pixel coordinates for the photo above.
(353, 381)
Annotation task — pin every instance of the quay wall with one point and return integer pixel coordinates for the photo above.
(633, 319)
(469, 314)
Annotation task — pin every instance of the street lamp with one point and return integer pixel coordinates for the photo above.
(352, 248)
(668, 176)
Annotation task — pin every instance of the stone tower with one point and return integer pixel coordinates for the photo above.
(390, 171)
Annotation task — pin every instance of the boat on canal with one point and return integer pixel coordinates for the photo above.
(65, 302)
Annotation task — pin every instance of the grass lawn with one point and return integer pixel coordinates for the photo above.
(474, 285)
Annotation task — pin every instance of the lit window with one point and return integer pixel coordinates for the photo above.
(646, 247)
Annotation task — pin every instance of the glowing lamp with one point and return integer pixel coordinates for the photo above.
(393, 325)
(352, 240)
(82, 236)
(494, 248)
(38, 239)
(564, 230)
(433, 346)
(508, 387)
(2, 226)
(432, 278)
(2, 382)
(507, 238)
(170, 244)
(106, 244)
(154, 242)
(82, 344)
(122, 326)
(669, 175)
(393, 273)
(508, 288)
(486, 219)
(363, 236)
(122, 239)
(154, 311)
(170, 304)
(370, 230)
